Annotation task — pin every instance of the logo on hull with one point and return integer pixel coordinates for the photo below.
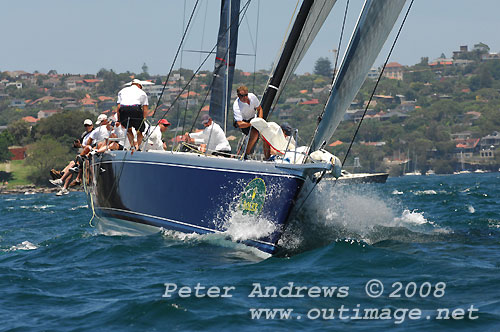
(253, 197)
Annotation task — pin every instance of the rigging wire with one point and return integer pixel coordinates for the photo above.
(376, 84)
(175, 57)
(340, 42)
(243, 10)
(256, 44)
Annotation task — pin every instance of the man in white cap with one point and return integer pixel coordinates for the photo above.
(213, 136)
(101, 133)
(80, 143)
(133, 109)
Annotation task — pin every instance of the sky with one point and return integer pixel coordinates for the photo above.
(82, 37)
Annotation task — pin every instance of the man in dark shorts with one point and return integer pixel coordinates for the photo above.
(133, 109)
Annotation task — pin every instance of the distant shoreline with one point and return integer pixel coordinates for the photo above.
(30, 189)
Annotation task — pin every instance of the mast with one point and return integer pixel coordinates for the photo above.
(286, 55)
(225, 59)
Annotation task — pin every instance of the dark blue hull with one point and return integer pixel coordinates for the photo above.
(191, 193)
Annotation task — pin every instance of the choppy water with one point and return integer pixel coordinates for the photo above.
(433, 243)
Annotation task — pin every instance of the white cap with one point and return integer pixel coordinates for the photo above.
(136, 81)
(87, 122)
(101, 118)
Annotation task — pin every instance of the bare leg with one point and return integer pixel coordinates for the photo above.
(66, 183)
(130, 136)
(267, 149)
(66, 176)
(254, 135)
(85, 151)
(70, 164)
(139, 139)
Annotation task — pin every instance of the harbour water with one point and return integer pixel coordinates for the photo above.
(417, 253)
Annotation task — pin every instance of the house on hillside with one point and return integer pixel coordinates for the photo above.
(18, 152)
(91, 82)
(105, 103)
(21, 74)
(18, 85)
(285, 114)
(50, 82)
(466, 147)
(487, 153)
(490, 56)
(17, 103)
(30, 119)
(293, 100)
(374, 73)
(463, 50)
(406, 106)
(462, 62)
(394, 70)
(74, 83)
(391, 114)
(441, 62)
(89, 104)
(46, 113)
(461, 136)
(313, 101)
(153, 90)
(491, 140)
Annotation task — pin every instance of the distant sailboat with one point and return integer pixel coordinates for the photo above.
(415, 172)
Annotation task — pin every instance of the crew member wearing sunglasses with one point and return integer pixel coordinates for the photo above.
(245, 108)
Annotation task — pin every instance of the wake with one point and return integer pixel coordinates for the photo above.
(357, 213)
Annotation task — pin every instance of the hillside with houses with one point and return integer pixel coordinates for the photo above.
(439, 114)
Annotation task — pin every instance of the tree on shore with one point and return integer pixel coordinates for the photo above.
(323, 67)
(20, 131)
(44, 155)
(5, 142)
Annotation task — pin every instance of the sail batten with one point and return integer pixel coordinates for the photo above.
(372, 29)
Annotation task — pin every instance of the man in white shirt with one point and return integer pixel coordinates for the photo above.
(213, 136)
(155, 141)
(133, 109)
(245, 108)
(101, 133)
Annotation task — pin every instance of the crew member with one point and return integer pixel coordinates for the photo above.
(213, 136)
(155, 138)
(245, 108)
(133, 109)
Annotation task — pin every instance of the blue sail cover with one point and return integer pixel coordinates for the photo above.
(225, 59)
(372, 29)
